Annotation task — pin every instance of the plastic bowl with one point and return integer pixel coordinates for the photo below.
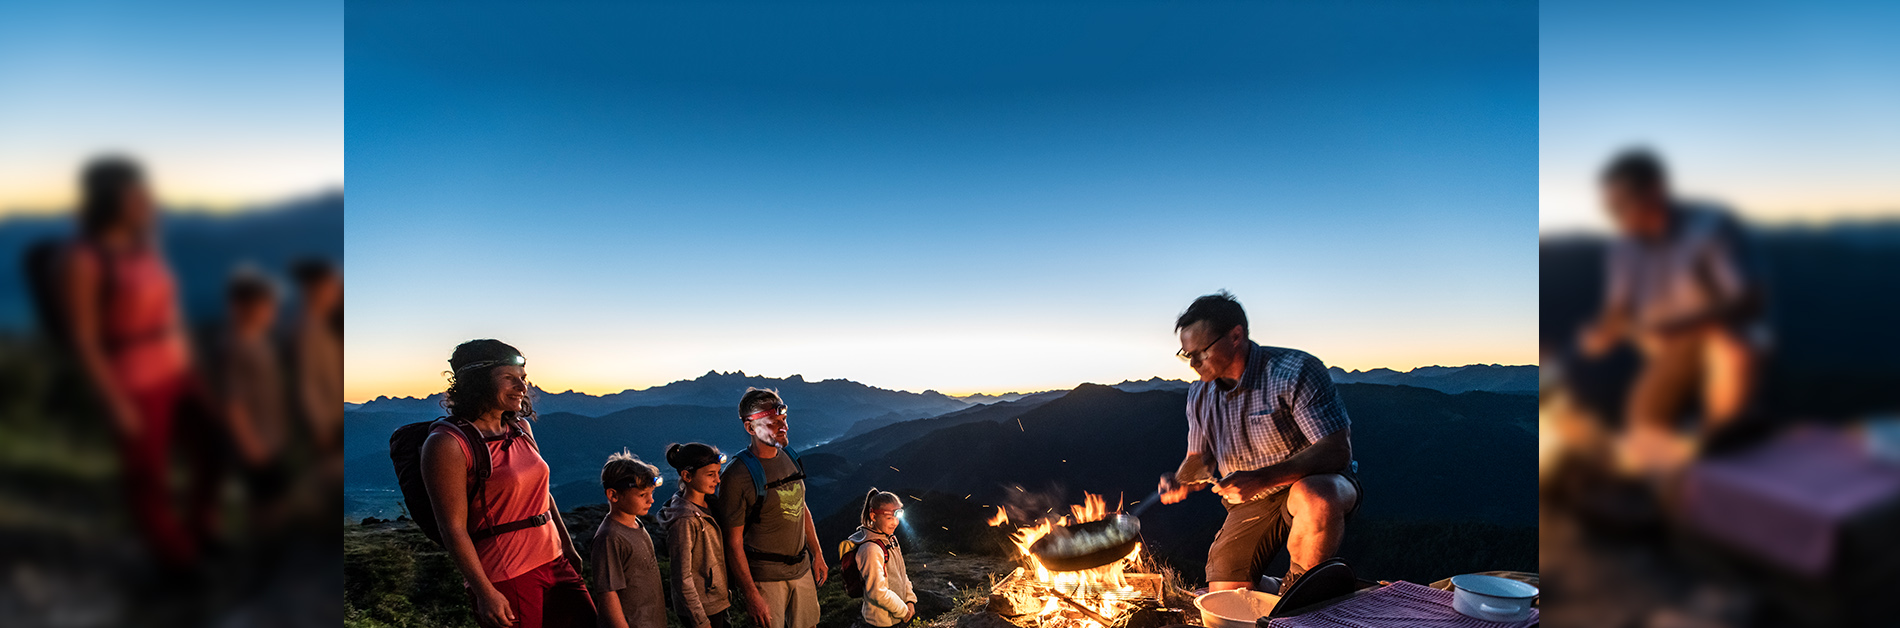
(1491, 598)
(1234, 608)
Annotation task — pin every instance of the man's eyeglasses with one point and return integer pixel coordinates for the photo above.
(1188, 356)
(777, 409)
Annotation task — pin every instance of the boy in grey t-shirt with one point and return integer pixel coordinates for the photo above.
(626, 572)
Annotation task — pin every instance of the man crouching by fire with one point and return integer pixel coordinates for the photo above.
(1267, 431)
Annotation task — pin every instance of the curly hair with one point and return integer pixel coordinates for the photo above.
(471, 391)
(102, 188)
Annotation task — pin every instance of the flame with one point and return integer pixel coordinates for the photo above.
(1002, 517)
(1091, 509)
(1103, 589)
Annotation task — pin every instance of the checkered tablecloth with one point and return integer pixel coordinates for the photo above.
(1400, 604)
(1786, 502)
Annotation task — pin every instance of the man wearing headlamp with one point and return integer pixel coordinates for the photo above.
(768, 530)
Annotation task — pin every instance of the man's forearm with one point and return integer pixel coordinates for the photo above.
(1193, 471)
(1737, 309)
(811, 537)
(1329, 455)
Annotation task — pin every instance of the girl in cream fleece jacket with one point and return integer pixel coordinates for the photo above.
(888, 599)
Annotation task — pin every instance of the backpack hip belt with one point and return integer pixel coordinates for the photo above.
(530, 522)
(778, 558)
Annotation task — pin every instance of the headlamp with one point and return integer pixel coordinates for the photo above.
(507, 361)
(777, 409)
(632, 483)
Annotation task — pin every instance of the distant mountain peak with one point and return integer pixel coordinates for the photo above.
(1091, 388)
(1447, 379)
(714, 389)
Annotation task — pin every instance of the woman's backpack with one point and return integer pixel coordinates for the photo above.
(405, 450)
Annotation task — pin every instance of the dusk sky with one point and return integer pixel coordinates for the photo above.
(1785, 111)
(228, 104)
(963, 197)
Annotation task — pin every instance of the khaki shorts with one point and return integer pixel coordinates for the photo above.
(1256, 530)
(794, 602)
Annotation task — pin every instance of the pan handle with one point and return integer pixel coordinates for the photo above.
(1145, 505)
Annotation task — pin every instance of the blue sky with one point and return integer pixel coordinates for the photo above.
(1785, 110)
(228, 103)
(966, 197)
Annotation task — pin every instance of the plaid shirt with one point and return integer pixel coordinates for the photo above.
(1704, 264)
(1284, 402)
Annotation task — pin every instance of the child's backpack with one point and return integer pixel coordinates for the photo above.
(405, 450)
(848, 565)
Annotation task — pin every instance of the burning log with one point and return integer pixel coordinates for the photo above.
(1014, 596)
(1024, 603)
(1078, 606)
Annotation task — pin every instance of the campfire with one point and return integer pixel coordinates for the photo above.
(1101, 597)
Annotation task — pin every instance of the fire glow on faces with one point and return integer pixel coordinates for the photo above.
(887, 518)
(1210, 354)
(770, 426)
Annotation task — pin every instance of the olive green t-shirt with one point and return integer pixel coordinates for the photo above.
(781, 525)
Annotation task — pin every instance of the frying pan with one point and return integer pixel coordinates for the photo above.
(1094, 544)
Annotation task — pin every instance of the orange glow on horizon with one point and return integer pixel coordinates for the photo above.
(215, 204)
(214, 179)
(424, 386)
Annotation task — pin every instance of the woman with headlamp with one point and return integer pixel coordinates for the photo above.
(507, 539)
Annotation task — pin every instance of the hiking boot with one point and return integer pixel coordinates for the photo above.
(1286, 584)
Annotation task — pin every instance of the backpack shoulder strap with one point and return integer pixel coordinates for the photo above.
(521, 426)
(880, 545)
(753, 468)
(796, 461)
(478, 462)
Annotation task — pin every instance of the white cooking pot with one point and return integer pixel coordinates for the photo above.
(1234, 608)
(1491, 598)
